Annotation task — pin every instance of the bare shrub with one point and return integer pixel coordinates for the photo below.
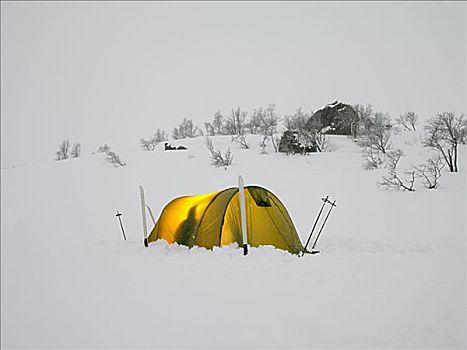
(305, 138)
(186, 130)
(110, 156)
(392, 179)
(443, 133)
(114, 159)
(431, 171)
(371, 159)
(151, 143)
(217, 157)
(310, 139)
(63, 150)
(241, 140)
(75, 150)
(103, 148)
(148, 144)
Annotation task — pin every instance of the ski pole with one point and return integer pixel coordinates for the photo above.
(333, 204)
(325, 200)
(121, 225)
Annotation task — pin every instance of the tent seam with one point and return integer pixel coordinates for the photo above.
(205, 211)
(223, 214)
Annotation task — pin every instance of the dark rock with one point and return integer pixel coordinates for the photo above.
(169, 147)
(335, 117)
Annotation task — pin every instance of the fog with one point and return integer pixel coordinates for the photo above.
(102, 72)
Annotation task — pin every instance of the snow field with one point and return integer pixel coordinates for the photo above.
(391, 272)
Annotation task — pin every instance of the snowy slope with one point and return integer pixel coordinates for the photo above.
(391, 272)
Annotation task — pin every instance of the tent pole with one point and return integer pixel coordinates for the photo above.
(243, 214)
(143, 212)
(325, 200)
(150, 214)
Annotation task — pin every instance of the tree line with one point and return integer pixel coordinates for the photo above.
(370, 128)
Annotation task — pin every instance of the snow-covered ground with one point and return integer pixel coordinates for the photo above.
(391, 272)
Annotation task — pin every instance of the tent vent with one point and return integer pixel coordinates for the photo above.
(260, 196)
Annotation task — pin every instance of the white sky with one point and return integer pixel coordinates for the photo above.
(107, 72)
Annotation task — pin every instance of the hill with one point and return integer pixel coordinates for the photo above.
(391, 272)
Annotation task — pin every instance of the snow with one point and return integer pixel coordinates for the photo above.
(391, 272)
(330, 105)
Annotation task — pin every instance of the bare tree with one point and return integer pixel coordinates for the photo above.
(236, 123)
(75, 150)
(63, 150)
(463, 131)
(269, 122)
(217, 157)
(218, 124)
(160, 135)
(151, 143)
(297, 121)
(186, 130)
(363, 113)
(254, 124)
(114, 159)
(408, 121)
(392, 180)
(431, 171)
(376, 134)
(209, 129)
(443, 133)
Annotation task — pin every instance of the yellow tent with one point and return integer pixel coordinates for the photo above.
(213, 219)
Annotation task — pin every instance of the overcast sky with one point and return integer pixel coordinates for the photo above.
(103, 72)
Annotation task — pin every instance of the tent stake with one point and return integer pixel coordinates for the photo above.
(243, 214)
(325, 200)
(121, 225)
(333, 204)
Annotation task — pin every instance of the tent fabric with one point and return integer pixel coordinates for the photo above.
(213, 219)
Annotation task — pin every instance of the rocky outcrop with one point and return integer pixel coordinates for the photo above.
(336, 118)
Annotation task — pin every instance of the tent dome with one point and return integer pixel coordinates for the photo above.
(213, 219)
